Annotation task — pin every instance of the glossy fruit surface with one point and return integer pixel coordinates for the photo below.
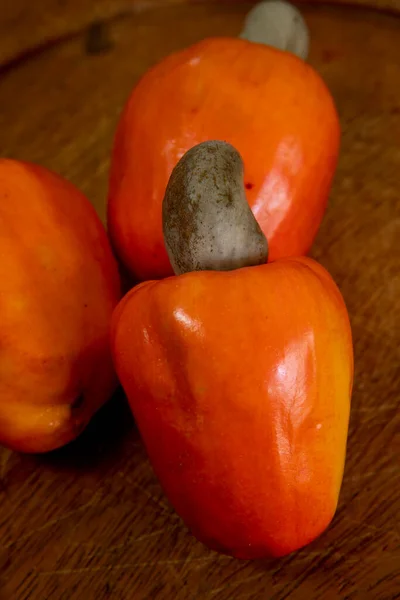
(273, 107)
(240, 383)
(59, 284)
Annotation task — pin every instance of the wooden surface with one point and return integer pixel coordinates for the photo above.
(27, 26)
(90, 521)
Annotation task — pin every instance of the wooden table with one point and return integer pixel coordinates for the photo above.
(90, 521)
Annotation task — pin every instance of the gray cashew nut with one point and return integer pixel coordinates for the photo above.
(279, 24)
(207, 221)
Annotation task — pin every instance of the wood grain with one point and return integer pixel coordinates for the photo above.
(27, 27)
(90, 521)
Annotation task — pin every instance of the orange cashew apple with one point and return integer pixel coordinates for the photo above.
(59, 284)
(239, 373)
(270, 104)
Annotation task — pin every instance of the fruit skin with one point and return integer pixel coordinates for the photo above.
(240, 383)
(59, 284)
(270, 105)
